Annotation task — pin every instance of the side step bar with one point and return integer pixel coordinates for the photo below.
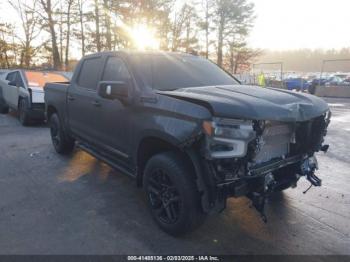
(105, 159)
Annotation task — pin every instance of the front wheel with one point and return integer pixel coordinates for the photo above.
(172, 194)
(23, 112)
(62, 143)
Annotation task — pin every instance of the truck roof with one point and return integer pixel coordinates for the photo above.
(136, 52)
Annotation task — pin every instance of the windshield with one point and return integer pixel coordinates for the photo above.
(39, 79)
(168, 72)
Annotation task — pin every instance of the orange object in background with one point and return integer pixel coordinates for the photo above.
(39, 79)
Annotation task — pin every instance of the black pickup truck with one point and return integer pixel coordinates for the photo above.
(189, 132)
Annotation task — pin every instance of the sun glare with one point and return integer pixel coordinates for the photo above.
(144, 37)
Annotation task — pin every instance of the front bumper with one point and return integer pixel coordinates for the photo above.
(275, 159)
(37, 111)
(273, 165)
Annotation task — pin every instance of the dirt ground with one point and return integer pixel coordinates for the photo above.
(51, 204)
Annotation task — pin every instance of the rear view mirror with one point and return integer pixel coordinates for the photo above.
(113, 89)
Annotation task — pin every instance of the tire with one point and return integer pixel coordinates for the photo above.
(4, 109)
(172, 194)
(62, 143)
(23, 112)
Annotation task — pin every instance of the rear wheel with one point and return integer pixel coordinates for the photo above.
(23, 112)
(172, 194)
(62, 143)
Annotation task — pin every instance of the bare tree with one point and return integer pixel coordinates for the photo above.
(69, 9)
(48, 19)
(107, 18)
(97, 24)
(191, 30)
(6, 31)
(60, 13)
(100, 24)
(81, 22)
(181, 20)
(29, 22)
(205, 25)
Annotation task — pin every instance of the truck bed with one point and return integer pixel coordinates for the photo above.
(56, 94)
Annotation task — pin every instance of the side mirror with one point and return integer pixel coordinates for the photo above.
(12, 83)
(113, 89)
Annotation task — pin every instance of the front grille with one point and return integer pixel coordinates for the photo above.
(274, 141)
(280, 139)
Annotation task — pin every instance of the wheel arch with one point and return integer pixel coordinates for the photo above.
(50, 110)
(152, 145)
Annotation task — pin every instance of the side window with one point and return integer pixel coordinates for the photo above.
(115, 70)
(19, 80)
(11, 76)
(89, 73)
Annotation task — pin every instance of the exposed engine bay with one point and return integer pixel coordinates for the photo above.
(256, 158)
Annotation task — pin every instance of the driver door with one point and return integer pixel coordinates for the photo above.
(113, 116)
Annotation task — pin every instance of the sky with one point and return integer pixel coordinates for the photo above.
(284, 24)
(295, 24)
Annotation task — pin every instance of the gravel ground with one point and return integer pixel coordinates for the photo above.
(51, 204)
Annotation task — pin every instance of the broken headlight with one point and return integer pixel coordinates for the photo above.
(227, 138)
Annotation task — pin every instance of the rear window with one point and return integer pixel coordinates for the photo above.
(115, 70)
(39, 79)
(90, 71)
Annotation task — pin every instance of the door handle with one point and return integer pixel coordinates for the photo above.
(70, 98)
(96, 103)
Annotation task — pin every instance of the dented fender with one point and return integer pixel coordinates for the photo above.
(175, 121)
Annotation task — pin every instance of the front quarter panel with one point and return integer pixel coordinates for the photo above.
(167, 118)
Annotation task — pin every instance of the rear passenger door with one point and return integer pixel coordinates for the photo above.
(81, 100)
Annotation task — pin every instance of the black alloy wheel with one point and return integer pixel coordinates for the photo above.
(55, 134)
(164, 197)
(172, 194)
(62, 143)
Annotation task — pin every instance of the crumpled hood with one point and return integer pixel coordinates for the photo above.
(251, 102)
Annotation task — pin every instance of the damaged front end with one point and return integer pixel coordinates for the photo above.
(256, 158)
